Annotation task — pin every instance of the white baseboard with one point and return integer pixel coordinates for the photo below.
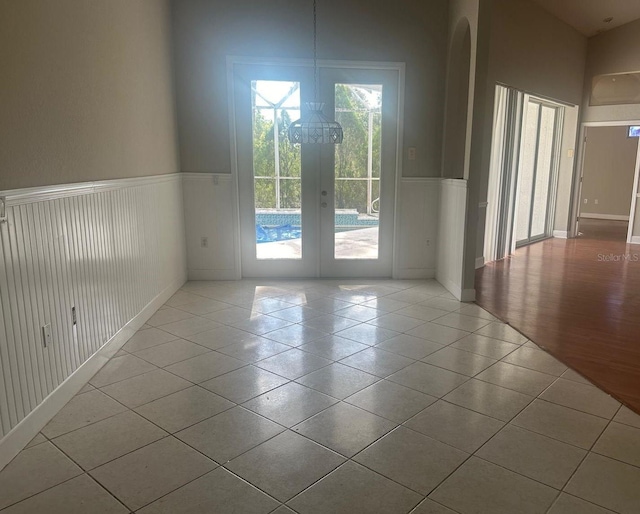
(560, 234)
(462, 295)
(479, 262)
(28, 428)
(597, 216)
(414, 273)
(635, 240)
(468, 295)
(212, 274)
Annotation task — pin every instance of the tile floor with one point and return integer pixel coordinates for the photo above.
(330, 397)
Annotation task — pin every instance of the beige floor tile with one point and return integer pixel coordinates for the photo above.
(391, 401)
(352, 489)
(608, 483)
(567, 504)
(338, 380)
(424, 312)
(296, 335)
(330, 323)
(537, 360)
(586, 398)
(489, 399)
(167, 315)
(359, 313)
(487, 346)
(184, 408)
(345, 428)
(517, 378)
(262, 325)
(283, 509)
(203, 306)
(430, 507)
(328, 305)
(285, 465)
(377, 362)
(290, 404)
(444, 304)
(333, 347)
(146, 339)
(428, 379)
(182, 298)
(535, 456)
(473, 309)
(172, 352)
(412, 295)
(628, 417)
(367, 334)
(412, 459)
(80, 495)
(459, 361)
(205, 367)
(217, 491)
(229, 434)
(620, 442)
(576, 377)
(220, 337)
(479, 486)
(499, 330)
(438, 333)
(297, 314)
(567, 425)
(410, 346)
(38, 439)
(87, 387)
(455, 426)
(230, 315)
(108, 439)
(82, 410)
(293, 363)
(253, 350)
(121, 368)
(34, 470)
(269, 305)
(385, 304)
(189, 326)
(396, 322)
(244, 383)
(142, 389)
(462, 322)
(145, 475)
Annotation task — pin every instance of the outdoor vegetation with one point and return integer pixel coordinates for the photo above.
(353, 113)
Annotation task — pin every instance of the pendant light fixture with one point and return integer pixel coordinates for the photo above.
(315, 127)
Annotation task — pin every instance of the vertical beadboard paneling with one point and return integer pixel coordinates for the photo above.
(417, 227)
(451, 232)
(107, 248)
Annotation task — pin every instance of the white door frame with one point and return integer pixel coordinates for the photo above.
(579, 172)
(369, 65)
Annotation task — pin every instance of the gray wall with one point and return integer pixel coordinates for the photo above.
(86, 91)
(608, 172)
(206, 32)
(614, 51)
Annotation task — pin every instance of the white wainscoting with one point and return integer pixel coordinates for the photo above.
(451, 235)
(211, 212)
(114, 250)
(416, 228)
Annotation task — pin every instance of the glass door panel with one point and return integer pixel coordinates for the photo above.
(357, 171)
(527, 170)
(543, 172)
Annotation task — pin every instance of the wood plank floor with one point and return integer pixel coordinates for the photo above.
(580, 300)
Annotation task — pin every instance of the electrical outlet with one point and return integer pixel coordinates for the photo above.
(74, 319)
(596, 201)
(586, 201)
(204, 242)
(46, 335)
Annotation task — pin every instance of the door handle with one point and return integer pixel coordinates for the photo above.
(324, 193)
(323, 205)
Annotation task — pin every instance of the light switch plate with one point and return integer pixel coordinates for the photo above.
(46, 335)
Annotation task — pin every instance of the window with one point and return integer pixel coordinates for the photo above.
(634, 131)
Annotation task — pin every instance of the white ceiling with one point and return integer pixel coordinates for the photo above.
(587, 15)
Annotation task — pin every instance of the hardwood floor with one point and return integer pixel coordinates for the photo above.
(580, 300)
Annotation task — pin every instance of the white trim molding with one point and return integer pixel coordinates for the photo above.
(560, 234)
(598, 216)
(479, 262)
(635, 240)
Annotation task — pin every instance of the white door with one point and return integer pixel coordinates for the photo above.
(316, 210)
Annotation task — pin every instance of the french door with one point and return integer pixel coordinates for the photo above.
(316, 210)
(537, 173)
